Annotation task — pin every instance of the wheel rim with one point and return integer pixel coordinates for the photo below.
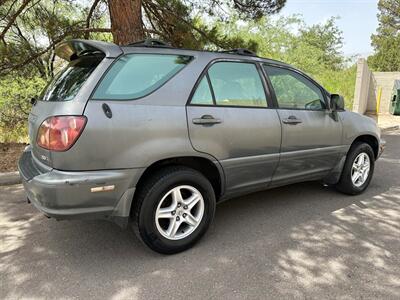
(360, 169)
(179, 212)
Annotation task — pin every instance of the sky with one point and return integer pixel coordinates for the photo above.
(358, 19)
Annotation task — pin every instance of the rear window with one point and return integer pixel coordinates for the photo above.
(68, 82)
(135, 75)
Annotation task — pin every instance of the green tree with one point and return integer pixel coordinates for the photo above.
(29, 29)
(328, 39)
(14, 107)
(386, 41)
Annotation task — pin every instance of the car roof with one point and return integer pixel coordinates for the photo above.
(197, 53)
(72, 49)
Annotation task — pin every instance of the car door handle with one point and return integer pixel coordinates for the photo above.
(206, 120)
(292, 120)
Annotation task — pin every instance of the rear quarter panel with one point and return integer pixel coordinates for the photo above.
(140, 131)
(135, 137)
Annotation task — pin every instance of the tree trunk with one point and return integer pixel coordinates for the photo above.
(126, 21)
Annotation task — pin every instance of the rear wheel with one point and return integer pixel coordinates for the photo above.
(358, 169)
(173, 209)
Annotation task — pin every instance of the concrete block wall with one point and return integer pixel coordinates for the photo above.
(367, 86)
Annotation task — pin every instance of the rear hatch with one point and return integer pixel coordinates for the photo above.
(69, 91)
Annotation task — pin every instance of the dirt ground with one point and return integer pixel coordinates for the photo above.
(9, 155)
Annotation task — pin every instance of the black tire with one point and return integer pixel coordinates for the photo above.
(148, 198)
(345, 184)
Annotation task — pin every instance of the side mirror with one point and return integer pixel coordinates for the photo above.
(337, 102)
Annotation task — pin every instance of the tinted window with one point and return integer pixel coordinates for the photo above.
(68, 82)
(203, 94)
(237, 84)
(293, 90)
(136, 75)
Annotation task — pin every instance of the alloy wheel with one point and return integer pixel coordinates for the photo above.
(360, 169)
(179, 212)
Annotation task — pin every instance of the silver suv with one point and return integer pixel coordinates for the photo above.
(155, 136)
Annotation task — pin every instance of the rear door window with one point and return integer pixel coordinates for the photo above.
(237, 84)
(203, 95)
(135, 75)
(231, 84)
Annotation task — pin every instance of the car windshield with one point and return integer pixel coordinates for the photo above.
(68, 82)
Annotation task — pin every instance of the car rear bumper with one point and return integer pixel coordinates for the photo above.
(79, 194)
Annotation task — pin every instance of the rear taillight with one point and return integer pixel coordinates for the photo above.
(60, 133)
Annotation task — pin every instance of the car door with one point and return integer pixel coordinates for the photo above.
(311, 135)
(230, 117)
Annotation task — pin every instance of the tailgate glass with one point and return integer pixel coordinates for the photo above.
(68, 82)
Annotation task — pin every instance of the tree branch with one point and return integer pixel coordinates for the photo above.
(12, 18)
(52, 44)
(198, 30)
(154, 28)
(152, 8)
(89, 16)
(38, 63)
(8, 10)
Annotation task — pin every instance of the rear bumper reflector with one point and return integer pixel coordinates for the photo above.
(106, 188)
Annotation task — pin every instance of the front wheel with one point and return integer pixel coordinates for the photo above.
(173, 209)
(358, 169)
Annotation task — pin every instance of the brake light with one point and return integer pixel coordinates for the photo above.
(61, 132)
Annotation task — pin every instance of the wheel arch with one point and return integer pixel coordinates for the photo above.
(334, 176)
(370, 140)
(211, 170)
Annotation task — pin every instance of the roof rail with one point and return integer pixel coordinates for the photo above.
(240, 51)
(150, 43)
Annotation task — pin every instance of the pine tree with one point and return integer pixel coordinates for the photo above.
(386, 41)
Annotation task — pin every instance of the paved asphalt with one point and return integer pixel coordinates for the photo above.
(301, 241)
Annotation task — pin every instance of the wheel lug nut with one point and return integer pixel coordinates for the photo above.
(184, 215)
(177, 218)
(185, 207)
(179, 205)
(173, 212)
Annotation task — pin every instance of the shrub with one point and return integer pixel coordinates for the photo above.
(15, 95)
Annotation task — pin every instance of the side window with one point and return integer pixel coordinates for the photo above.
(135, 75)
(203, 95)
(293, 90)
(237, 84)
